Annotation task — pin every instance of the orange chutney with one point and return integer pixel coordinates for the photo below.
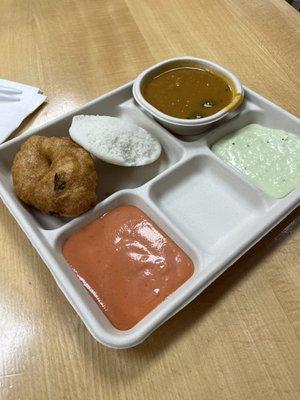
(127, 263)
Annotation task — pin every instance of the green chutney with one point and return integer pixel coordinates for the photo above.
(269, 158)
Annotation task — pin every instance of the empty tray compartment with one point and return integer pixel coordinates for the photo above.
(209, 204)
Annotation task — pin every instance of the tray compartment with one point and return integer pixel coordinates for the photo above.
(209, 204)
(96, 321)
(111, 178)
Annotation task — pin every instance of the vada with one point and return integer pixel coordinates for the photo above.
(55, 175)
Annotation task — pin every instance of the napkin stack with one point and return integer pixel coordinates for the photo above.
(12, 113)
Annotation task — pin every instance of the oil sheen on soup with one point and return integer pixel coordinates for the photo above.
(187, 92)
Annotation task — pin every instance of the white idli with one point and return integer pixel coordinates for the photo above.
(115, 140)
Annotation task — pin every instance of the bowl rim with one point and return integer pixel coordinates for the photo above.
(232, 106)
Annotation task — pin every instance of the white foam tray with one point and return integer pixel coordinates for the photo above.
(204, 205)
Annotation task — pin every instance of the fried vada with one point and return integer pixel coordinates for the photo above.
(55, 175)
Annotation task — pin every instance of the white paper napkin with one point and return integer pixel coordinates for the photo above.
(12, 113)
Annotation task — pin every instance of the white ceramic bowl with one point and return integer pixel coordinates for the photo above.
(189, 126)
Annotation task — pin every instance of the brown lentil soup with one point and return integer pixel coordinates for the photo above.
(187, 92)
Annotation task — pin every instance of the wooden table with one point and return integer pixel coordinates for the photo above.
(240, 338)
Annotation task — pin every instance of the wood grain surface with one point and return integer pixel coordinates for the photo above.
(240, 338)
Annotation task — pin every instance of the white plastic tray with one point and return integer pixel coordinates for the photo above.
(209, 209)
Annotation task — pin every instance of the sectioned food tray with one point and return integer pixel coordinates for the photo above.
(208, 208)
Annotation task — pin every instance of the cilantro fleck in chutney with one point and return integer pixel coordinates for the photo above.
(187, 92)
